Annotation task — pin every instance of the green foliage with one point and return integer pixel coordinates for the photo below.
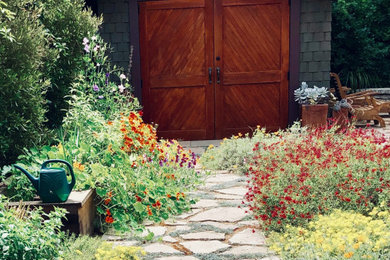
(29, 234)
(81, 248)
(361, 42)
(232, 154)
(108, 251)
(5, 14)
(21, 85)
(67, 23)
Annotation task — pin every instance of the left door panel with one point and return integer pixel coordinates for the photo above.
(176, 54)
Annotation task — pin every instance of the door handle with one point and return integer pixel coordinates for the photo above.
(218, 75)
(210, 77)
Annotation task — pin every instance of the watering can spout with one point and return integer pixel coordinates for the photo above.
(34, 181)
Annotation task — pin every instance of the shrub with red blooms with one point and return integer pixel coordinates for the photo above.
(300, 174)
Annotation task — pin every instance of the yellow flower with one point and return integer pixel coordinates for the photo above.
(210, 146)
(356, 246)
(348, 255)
(79, 252)
(239, 134)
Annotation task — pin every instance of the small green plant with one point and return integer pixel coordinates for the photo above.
(233, 154)
(109, 251)
(29, 234)
(81, 248)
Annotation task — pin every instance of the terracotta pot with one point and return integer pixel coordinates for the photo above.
(341, 117)
(314, 115)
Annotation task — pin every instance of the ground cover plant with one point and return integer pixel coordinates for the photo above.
(339, 235)
(89, 248)
(234, 153)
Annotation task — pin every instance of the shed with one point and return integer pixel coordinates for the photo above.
(206, 69)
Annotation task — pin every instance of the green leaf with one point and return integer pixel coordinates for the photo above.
(139, 207)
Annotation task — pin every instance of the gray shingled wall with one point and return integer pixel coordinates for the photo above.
(115, 29)
(316, 19)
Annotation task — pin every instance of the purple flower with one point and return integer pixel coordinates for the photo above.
(85, 41)
(100, 97)
(95, 88)
(107, 74)
(86, 48)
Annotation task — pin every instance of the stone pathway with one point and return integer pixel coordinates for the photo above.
(216, 228)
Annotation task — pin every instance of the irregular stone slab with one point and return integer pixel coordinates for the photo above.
(253, 223)
(247, 237)
(160, 248)
(221, 178)
(227, 197)
(174, 222)
(242, 250)
(178, 258)
(206, 235)
(240, 191)
(221, 225)
(111, 237)
(157, 231)
(222, 214)
(125, 243)
(189, 214)
(182, 228)
(205, 204)
(204, 247)
(169, 239)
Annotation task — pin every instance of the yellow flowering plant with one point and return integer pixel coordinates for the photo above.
(340, 235)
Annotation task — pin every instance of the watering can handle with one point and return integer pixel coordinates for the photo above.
(73, 181)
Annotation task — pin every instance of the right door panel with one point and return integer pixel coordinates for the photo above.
(252, 55)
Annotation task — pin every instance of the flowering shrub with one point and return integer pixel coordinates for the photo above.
(342, 234)
(296, 176)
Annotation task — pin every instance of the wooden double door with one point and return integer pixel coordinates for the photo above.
(213, 68)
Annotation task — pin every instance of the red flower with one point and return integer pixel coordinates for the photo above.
(106, 201)
(109, 220)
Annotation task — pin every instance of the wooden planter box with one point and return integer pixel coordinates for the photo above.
(81, 209)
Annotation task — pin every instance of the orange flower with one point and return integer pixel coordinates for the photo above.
(168, 195)
(78, 166)
(106, 201)
(109, 123)
(149, 211)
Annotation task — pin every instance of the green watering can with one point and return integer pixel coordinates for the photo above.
(52, 184)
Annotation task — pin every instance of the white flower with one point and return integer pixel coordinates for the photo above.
(85, 41)
(98, 64)
(96, 48)
(121, 88)
(122, 76)
(93, 38)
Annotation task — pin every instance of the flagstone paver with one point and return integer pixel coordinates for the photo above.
(217, 227)
(206, 235)
(160, 248)
(225, 214)
(204, 247)
(248, 237)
